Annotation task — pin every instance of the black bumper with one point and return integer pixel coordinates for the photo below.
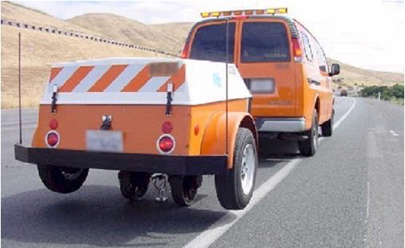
(172, 165)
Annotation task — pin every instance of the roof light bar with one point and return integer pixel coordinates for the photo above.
(271, 11)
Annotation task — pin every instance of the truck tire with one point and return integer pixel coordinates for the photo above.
(327, 127)
(235, 189)
(309, 146)
(133, 185)
(62, 179)
(184, 189)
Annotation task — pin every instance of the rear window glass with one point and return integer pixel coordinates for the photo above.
(264, 42)
(210, 43)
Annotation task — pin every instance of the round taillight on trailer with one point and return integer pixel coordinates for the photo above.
(52, 139)
(167, 127)
(165, 144)
(53, 124)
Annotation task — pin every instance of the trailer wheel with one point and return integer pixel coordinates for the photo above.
(184, 189)
(133, 185)
(235, 189)
(62, 179)
(309, 146)
(327, 127)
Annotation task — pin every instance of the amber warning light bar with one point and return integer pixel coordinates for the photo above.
(271, 11)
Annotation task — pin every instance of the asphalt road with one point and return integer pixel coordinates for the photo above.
(351, 194)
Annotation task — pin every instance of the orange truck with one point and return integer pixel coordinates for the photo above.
(142, 116)
(282, 64)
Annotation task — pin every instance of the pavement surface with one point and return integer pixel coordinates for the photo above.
(350, 194)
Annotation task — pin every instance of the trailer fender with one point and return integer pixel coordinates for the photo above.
(214, 139)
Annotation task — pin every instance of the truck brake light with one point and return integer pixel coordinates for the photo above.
(297, 50)
(184, 53)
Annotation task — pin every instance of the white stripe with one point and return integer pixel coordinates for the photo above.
(91, 78)
(208, 237)
(62, 77)
(153, 84)
(123, 79)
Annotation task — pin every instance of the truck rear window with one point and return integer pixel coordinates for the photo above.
(209, 43)
(264, 42)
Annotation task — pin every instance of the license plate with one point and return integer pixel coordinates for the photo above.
(104, 141)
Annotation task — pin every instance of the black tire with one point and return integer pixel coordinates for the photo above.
(309, 146)
(62, 179)
(134, 185)
(327, 127)
(229, 187)
(184, 189)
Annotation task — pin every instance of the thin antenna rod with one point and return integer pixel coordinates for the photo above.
(226, 85)
(19, 85)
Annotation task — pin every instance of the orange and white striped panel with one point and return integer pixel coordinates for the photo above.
(112, 78)
(128, 81)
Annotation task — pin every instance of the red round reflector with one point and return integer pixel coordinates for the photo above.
(166, 144)
(167, 127)
(52, 139)
(53, 124)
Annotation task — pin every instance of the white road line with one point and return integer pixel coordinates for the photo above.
(209, 236)
(393, 133)
(368, 201)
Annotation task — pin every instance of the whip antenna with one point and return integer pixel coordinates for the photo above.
(226, 84)
(19, 86)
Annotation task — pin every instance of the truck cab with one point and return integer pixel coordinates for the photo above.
(281, 63)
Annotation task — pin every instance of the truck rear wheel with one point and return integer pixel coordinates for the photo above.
(309, 146)
(235, 189)
(184, 189)
(133, 185)
(327, 127)
(62, 179)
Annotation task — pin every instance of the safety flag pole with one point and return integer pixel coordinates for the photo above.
(19, 86)
(226, 84)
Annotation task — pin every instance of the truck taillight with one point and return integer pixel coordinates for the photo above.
(297, 50)
(184, 53)
(53, 124)
(167, 127)
(166, 144)
(52, 139)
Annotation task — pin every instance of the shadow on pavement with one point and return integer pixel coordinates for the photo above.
(97, 215)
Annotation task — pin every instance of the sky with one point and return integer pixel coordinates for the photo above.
(364, 33)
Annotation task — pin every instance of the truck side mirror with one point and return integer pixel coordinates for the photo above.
(334, 70)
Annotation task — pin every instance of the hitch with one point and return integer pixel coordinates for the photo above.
(160, 183)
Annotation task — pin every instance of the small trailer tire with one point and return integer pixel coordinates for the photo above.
(134, 185)
(235, 189)
(184, 189)
(62, 179)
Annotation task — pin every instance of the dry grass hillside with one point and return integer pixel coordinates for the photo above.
(39, 51)
(16, 12)
(179, 30)
(353, 77)
(127, 30)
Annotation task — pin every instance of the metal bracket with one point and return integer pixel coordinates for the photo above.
(107, 122)
(169, 99)
(54, 98)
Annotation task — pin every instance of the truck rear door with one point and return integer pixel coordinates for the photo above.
(265, 62)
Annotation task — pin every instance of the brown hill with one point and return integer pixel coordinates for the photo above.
(177, 30)
(127, 30)
(15, 12)
(354, 77)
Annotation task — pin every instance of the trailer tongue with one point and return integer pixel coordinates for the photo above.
(143, 116)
